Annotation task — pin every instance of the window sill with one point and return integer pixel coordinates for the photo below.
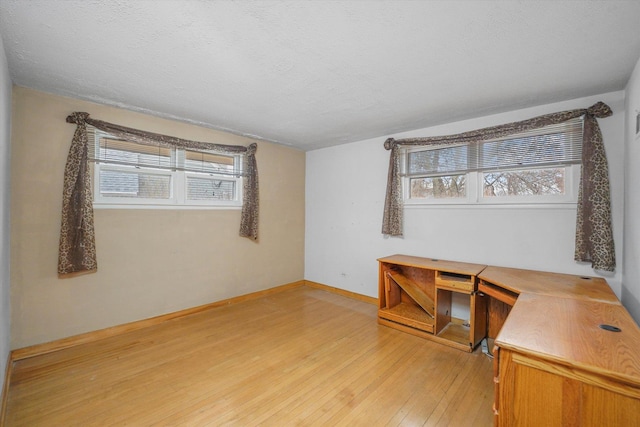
(147, 206)
(487, 205)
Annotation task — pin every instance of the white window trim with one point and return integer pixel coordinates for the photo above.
(178, 198)
(474, 195)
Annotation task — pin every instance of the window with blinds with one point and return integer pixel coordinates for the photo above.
(536, 166)
(128, 173)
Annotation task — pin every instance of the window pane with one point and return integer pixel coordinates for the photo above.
(130, 153)
(134, 185)
(440, 187)
(209, 189)
(438, 160)
(208, 162)
(546, 149)
(529, 182)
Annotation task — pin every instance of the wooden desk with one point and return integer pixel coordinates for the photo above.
(554, 365)
(552, 284)
(504, 285)
(415, 296)
(567, 331)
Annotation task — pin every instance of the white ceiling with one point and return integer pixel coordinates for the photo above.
(312, 74)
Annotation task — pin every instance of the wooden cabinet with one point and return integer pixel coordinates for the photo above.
(557, 363)
(450, 328)
(416, 296)
(559, 367)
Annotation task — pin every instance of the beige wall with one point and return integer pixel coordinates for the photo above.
(5, 167)
(150, 262)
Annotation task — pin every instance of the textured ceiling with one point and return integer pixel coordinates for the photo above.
(312, 74)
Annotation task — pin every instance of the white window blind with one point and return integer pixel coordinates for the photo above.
(118, 152)
(130, 173)
(439, 161)
(559, 144)
(110, 150)
(207, 162)
(555, 145)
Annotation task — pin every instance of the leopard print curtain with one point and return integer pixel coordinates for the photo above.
(77, 250)
(594, 235)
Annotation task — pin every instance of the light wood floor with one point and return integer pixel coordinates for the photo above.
(300, 357)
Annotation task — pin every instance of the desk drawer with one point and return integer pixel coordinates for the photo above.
(455, 281)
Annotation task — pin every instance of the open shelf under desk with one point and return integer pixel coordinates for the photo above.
(412, 319)
(413, 291)
(456, 333)
(410, 315)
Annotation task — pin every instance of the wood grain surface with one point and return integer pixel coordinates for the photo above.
(303, 356)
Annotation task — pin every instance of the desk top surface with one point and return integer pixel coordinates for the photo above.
(567, 330)
(550, 284)
(435, 264)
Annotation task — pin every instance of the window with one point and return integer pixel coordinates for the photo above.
(129, 173)
(539, 166)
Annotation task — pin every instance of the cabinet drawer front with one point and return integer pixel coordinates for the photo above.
(455, 281)
(456, 286)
